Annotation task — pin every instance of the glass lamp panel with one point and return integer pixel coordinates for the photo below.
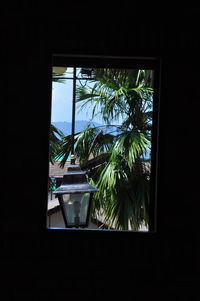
(76, 208)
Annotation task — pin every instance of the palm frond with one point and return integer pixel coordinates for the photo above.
(130, 145)
(107, 100)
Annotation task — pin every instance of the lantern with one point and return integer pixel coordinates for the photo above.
(75, 196)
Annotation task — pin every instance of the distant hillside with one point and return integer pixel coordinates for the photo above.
(66, 127)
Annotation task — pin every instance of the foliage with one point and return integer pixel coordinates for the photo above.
(55, 142)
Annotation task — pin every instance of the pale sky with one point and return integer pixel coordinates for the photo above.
(61, 103)
(61, 107)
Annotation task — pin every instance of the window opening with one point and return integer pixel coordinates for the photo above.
(115, 138)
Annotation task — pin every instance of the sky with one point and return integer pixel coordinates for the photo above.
(61, 103)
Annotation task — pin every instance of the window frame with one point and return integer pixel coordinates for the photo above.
(124, 62)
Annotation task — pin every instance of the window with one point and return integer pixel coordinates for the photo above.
(115, 137)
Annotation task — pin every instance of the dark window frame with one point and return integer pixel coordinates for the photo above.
(125, 62)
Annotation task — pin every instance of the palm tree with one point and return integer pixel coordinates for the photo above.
(115, 153)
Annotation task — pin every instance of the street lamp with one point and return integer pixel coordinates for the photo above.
(75, 193)
(75, 196)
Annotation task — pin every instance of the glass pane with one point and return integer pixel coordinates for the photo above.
(113, 141)
(61, 105)
(76, 208)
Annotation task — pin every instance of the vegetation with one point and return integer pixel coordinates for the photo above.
(115, 153)
(55, 142)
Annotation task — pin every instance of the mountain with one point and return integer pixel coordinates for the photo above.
(66, 127)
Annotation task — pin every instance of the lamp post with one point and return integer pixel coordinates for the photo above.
(75, 193)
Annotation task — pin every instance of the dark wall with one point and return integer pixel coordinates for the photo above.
(96, 265)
